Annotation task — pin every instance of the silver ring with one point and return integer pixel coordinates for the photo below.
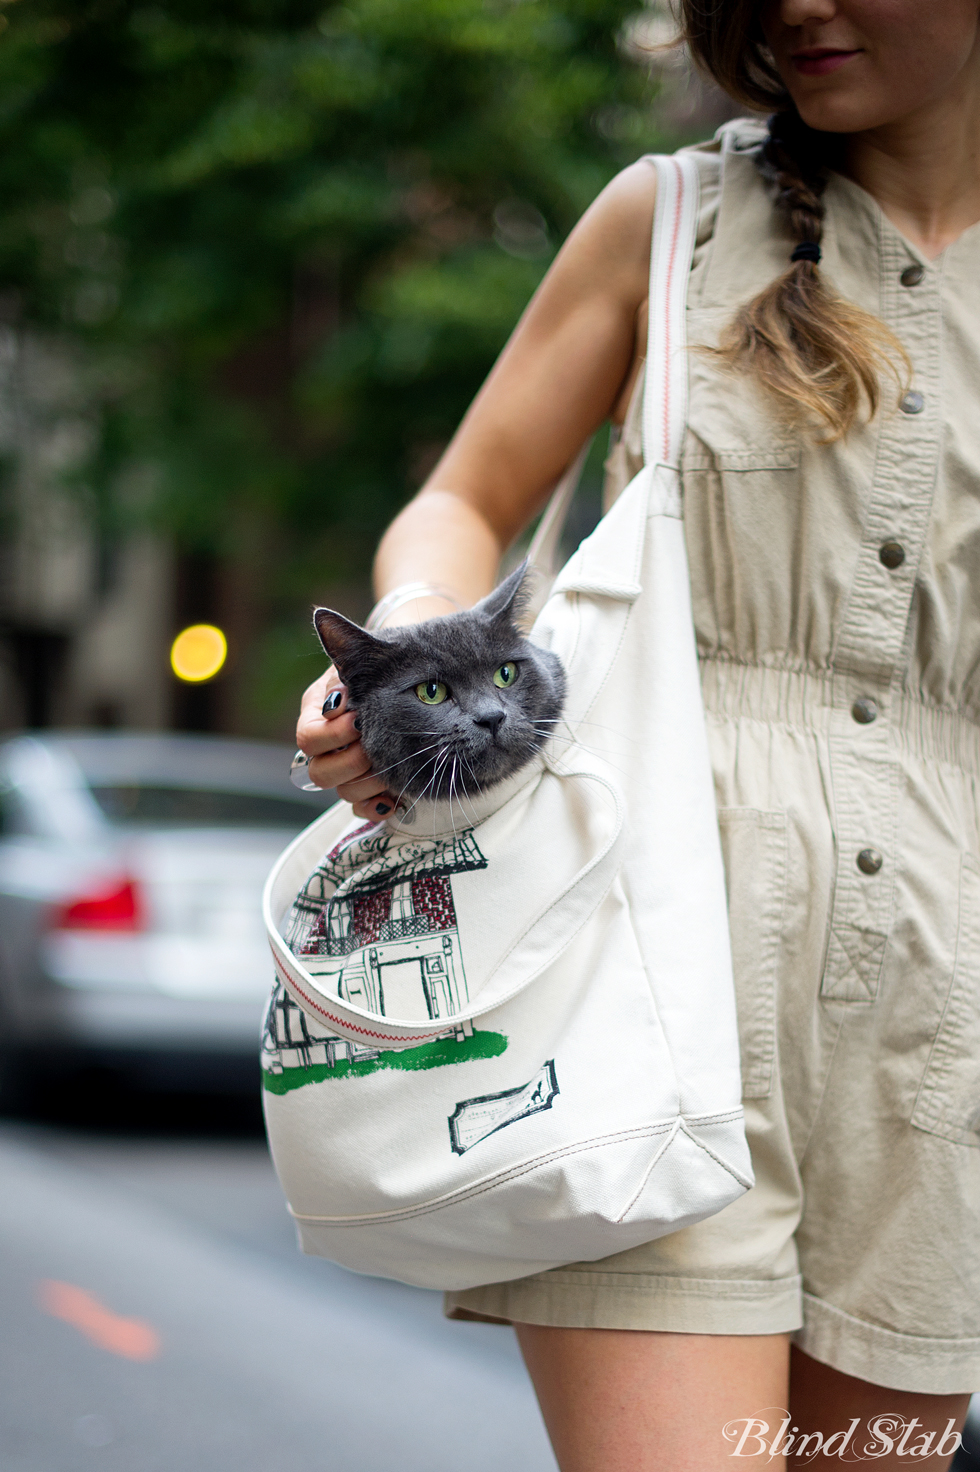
(299, 771)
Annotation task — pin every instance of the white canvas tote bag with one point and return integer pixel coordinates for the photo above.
(504, 1038)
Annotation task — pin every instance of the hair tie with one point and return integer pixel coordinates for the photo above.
(807, 250)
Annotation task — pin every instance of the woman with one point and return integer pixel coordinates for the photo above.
(831, 481)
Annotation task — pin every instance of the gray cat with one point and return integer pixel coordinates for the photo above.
(453, 705)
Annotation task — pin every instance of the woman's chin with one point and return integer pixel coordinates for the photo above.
(830, 108)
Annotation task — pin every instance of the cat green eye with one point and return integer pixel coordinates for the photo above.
(433, 692)
(506, 675)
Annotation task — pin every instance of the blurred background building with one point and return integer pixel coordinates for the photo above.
(254, 262)
(85, 619)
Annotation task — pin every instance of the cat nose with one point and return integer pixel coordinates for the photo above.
(490, 720)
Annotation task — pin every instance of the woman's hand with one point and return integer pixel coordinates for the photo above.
(337, 758)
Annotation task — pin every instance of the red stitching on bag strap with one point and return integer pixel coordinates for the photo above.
(667, 315)
(422, 1037)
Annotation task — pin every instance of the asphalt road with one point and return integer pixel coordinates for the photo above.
(156, 1316)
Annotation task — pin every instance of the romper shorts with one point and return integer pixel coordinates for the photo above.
(861, 1236)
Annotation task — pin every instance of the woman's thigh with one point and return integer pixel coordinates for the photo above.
(892, 1428)
(622, 1400)
(618, 1399)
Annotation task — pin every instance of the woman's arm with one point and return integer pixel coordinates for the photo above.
(567, 368)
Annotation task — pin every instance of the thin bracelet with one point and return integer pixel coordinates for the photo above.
(404, 594)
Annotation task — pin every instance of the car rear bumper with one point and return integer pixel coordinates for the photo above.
(121, 1020)
(157, 993)
(117, 1007)
(161, 1043)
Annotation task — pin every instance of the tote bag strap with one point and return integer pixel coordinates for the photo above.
(543, 551)
(674, 231)
(665, 388)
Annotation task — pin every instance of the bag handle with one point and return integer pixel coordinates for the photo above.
(543, 551)
(665, 385)
(674, 230)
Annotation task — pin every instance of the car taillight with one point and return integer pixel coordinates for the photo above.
(114, 906)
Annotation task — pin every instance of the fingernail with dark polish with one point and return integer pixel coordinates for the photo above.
(332, 701)
(357, 723)
(382, 808)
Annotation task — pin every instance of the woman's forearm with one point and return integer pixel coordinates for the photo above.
(442, 540)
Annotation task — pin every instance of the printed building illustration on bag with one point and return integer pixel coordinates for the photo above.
(386, 939)
(378, 928)
(293, 1040)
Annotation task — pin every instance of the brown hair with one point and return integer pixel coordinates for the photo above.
(819, 356)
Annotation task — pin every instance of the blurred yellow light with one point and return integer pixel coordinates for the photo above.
(198, 653)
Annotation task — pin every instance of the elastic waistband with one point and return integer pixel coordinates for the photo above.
(809, 700)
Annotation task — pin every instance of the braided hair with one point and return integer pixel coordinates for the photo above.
(819, 357)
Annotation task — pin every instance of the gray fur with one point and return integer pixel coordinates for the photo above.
(480, 734)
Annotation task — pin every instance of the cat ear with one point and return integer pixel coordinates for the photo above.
(509, 600)
(346, 643)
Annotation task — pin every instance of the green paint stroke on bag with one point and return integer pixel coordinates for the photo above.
(439, 1054)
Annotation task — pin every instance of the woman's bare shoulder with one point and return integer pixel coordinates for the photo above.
(615, 229)
(608, 252)
(630, 193)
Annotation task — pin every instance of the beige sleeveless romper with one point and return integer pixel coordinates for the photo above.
(837, 603)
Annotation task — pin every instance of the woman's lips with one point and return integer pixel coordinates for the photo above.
(819, 63)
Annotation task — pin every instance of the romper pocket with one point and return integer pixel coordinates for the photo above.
(948, 1101)
(754, 845)
(732, 426)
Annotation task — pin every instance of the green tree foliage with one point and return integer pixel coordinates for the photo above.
(293, 239)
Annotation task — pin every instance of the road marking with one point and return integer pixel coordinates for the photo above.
(133, 1339)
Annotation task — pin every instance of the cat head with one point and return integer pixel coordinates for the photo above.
(454, 704)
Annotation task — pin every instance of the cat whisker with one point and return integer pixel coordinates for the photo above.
(429, 761)
(443, 759)
(471, 817)
(617, 731)
(542, 737)
(438, 767)
(420, 751)
(556, 735)
(452, 784)
(570, 723)
(434, 761)
(479, 784)
(576, 741)
(425, 789)
(458, 757)
(452, 793)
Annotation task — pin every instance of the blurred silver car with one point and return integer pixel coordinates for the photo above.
(131, 871)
